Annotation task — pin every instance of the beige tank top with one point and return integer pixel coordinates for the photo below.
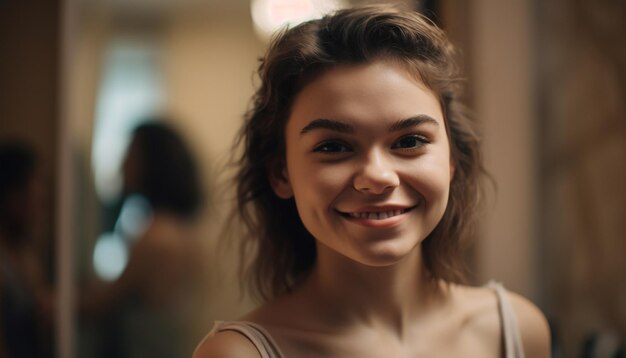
(268, 348)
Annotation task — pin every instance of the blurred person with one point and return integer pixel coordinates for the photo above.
(358, 181)
(26, 299)
(152, 292)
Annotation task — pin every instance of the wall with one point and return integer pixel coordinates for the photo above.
(29, 80)
(581, 72)
(501, 85)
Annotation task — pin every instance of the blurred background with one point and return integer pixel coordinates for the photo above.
(101, 101)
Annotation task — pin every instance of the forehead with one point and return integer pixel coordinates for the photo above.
(382, 91)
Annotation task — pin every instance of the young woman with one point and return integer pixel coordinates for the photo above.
(358, 180)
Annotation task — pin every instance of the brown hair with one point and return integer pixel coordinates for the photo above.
(284, 250)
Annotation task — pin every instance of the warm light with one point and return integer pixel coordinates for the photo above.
(270, 15)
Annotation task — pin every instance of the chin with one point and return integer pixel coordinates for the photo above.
(383, 254)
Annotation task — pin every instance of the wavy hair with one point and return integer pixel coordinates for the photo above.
(284, 251)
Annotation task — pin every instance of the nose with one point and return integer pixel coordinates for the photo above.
(376, 175)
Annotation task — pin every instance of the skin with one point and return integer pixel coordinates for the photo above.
(371, 139)
(371, 168)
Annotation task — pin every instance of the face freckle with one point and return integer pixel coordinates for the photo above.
(367, 161)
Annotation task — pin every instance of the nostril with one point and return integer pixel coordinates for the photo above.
(373, 185)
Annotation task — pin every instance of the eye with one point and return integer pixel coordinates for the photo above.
(332, 147)
(412, 141)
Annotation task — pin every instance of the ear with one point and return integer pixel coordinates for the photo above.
(279, 179)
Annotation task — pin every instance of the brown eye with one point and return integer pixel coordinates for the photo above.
(410, 142)
(332, 147)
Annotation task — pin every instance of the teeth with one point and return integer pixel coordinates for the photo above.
(376, 215)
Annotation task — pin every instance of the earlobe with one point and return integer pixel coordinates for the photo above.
(279, 180)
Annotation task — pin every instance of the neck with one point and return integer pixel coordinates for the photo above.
(388, 296)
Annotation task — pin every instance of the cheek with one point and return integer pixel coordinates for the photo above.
(431, 177)
(316, 189)
(318, 183)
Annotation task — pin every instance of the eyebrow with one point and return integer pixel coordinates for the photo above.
(342, 127)
(330, 124)
(412, 122)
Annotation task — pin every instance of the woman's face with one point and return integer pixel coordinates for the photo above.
(367, 161)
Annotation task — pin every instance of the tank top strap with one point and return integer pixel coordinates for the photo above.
(256, 334)
(508, 320)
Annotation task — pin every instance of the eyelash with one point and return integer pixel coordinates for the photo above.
(323, 147)
(420, 141)
(342, 147)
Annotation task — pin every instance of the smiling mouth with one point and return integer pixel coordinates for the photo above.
(377, 215)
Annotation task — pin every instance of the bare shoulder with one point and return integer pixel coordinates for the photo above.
(480, 318)
(480, 305)
(226, 344)
(533, 326)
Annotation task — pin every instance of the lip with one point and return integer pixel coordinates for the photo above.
(378, 216)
